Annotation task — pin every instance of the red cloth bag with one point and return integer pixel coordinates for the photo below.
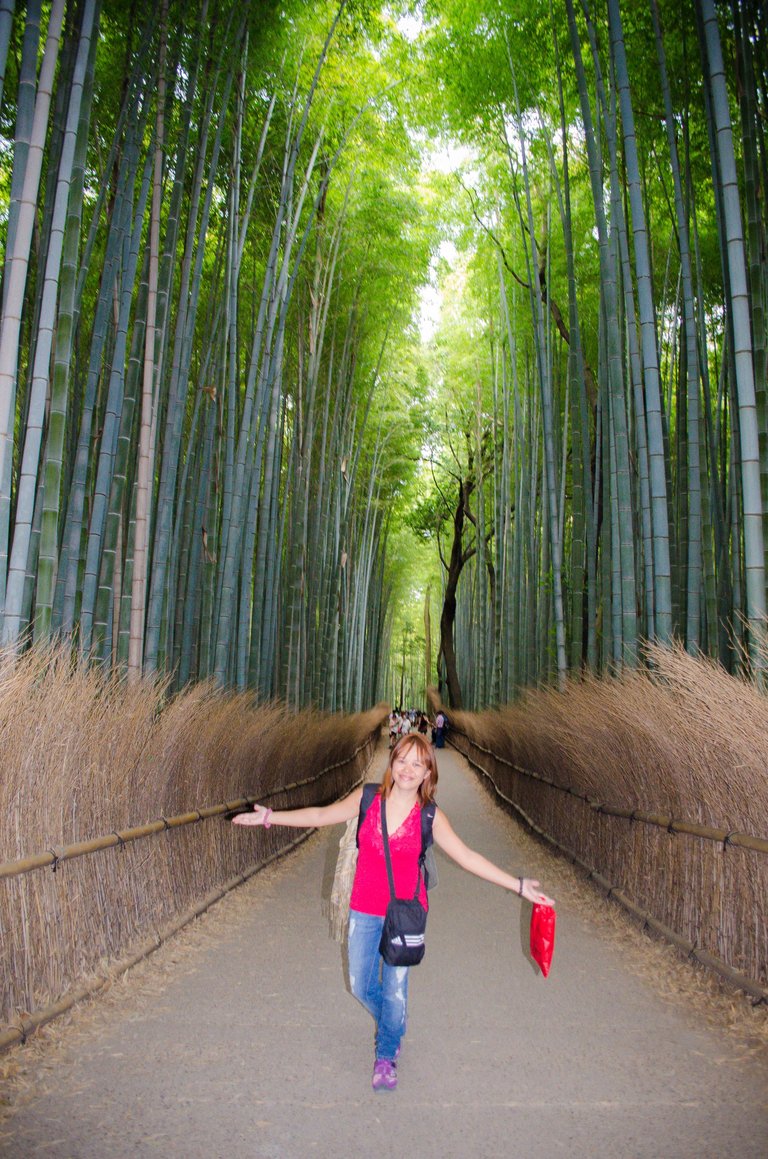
(543, 919)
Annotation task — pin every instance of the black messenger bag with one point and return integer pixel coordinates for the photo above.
(405, 922)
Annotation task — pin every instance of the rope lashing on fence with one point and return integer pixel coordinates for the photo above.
(120, 838)
(116, 839)
(724, 837)
(758, 993)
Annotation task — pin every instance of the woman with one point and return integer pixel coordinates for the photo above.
(409, 784)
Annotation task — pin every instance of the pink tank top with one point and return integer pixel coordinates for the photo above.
(370, 891)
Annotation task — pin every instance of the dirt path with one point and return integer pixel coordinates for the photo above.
(240, 1039)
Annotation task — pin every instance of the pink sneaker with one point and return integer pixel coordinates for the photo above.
(384, 1075)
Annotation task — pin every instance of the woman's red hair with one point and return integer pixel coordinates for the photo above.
(405, 744)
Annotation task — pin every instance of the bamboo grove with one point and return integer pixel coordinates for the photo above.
(606, 480)
(197, 296)
(217, 422)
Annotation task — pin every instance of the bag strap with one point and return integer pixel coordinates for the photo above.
(388, 859)
(385, 835)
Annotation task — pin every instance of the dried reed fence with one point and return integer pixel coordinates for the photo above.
(85, 755)
(614, 772)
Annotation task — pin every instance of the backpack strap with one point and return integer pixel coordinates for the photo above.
(427, 862)
(427, 818)
(370, 789)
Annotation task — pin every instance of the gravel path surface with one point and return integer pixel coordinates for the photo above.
(241, 1039)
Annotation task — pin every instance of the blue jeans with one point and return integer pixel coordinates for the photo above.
(382, 989)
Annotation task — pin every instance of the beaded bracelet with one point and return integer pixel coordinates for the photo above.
(520, 891)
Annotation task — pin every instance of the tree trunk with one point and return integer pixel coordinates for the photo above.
(448, 615)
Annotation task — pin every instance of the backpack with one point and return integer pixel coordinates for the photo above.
(427, 856)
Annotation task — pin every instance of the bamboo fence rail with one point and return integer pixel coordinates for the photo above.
(661, 820)
(707, 910)
(117, 839)
(65, 934)
(28, 1024)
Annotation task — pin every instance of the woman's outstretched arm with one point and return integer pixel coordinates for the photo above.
(450, 843)
(312, 817)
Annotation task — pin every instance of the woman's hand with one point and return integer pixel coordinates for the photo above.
(308, 817)
(531, 892)
(259, 816)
